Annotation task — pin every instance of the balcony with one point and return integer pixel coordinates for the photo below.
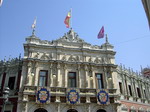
(59, 94)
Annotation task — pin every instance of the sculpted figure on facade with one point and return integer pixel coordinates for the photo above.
(30, 79)
(37, 55)
(90, 60)
(44, 57)
(64, 58)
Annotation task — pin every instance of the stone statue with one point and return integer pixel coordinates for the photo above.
(30, 79)
(110, 85)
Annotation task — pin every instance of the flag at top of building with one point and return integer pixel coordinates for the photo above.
(1, 1)
(67, 19)
(101, 33)
(34, 24)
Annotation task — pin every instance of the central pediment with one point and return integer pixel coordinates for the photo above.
(71, 36)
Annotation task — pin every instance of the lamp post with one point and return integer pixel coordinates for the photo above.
(5, 97)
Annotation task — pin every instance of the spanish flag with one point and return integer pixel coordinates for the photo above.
(67, 19)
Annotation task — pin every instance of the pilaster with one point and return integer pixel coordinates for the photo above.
(36, 76)
(65, 76)
(78, 76)
(59, 76)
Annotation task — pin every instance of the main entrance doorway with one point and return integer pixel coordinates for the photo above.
(72, 110)
(40, 110)
(100, 110)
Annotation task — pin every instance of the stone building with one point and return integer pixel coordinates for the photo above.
(65, 64)
(10, 74)
(71, 75)
(134, 91)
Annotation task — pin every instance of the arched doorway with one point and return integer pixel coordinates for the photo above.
(72, 110)
(100, 110)
(40, 110)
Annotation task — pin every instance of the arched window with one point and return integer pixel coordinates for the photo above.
(40, 110)
(72, 110)
(100, 110)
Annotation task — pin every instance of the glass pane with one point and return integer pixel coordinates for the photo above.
(73, 83)
(69, 82)
(42, 81)
(72, 79)
(71, 75)
(98, 76)
(43, 73)
(99, 84)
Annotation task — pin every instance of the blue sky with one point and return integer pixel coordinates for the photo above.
(125, 23)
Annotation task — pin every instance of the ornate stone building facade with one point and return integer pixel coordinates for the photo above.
(10, 74)
(68, 62)
(134, 91)
(70, 75)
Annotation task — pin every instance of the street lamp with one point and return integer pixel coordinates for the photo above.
(5, 97)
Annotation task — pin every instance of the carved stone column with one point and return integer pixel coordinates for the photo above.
(65, 76)
(28, 82)
(78, 77)
(86, 85)
(58, 76)
(51, 75)
(109, 79)
(93, 77)
(135, 94)
(36, 75)
(90, 79)
(105, 71)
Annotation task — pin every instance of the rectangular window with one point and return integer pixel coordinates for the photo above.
(99, 81)
(130, 90)
(11, 83)
(139, 93)
(43, 78)
(120, 86)
(71, 79)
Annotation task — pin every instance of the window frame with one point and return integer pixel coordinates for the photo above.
(120, 87)
(139, 92)
(46, 78)
(74, 78)
(101, 80)
(130, 90)
(11, 82)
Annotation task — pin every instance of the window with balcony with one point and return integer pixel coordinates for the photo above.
(120, 86)
(130, 90)
(11, 83)
(43, 76)
(139, 93)
(71, 79)
(99, 81)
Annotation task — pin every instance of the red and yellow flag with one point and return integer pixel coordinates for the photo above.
(67, 19)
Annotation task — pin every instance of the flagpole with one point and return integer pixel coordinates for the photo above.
(34, 26)
(71, 18)
(106, 38)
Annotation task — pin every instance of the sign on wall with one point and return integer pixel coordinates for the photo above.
(103, 97)
(72, 96)
(42, 95)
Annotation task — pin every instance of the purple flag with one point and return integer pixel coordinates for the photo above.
(101, 33)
